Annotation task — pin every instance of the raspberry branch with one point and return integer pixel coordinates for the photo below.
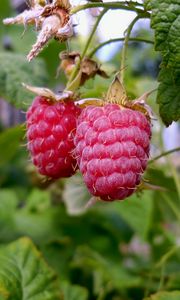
(99, 46)
(130, 6)
(124, 50)
(164, 154)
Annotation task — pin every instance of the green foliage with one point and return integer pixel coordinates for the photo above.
(74, 189)
(10, 140)
(24, 274)
(15, 70)
(73, 292)
(50, 55)
(168, 96)
(5, 9)
(132, 211)
(165, 20)
(8, 205)
(175, 295)
(94, 263)
(82, 248)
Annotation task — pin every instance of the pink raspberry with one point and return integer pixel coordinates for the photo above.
(112, 149)
(50, 131)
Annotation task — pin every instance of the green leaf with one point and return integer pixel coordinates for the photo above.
(8, 204)
(24, 274)
(73, 292)
(10, 140)
(165, 20)
(8, 201)
(41, 226)
(174, 295)
(38, 201)
(14, 70)
(137, 212)
(168, 96)
(97, 265)
(75, 195)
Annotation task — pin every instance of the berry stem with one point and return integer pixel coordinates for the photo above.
(125, 46)
(93, 51)
(93, 32)
(76, 70)
(164, 154)
(130, 6)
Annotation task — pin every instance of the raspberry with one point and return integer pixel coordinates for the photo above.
(50, 132)
(112, 149)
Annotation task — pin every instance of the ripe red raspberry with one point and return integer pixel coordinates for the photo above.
(112, 149)
(50, 132)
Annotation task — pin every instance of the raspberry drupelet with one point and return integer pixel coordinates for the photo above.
(51, 127)
(112, 148)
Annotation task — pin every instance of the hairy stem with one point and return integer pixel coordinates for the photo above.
(93, 32)
(164, 154)
(93, 51)
(130, 6)
(124, 50)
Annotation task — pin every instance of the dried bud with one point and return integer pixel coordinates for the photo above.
(88, 67)
(52, 21)
(68, 62)
(65, 32)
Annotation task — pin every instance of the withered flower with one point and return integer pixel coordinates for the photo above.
(52, 20)
(88, 67)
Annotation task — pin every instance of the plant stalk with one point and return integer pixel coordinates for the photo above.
(124, 50)
(93, 32)
(131, 6)
(164, 154)
(141, 40)
(76, 70)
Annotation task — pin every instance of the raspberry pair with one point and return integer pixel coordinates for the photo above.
(109, 144)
